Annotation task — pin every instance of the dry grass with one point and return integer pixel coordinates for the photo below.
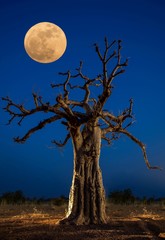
(39, 222)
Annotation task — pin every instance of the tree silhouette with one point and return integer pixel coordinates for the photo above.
(87, 123)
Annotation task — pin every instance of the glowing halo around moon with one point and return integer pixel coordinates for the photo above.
(45, 42)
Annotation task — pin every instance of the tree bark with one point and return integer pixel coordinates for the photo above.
(87, 195)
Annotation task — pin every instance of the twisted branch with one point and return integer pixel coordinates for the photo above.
(38, 127)
(68, 104)
(62, 144)
(20, 112)
(142, 146)
(116, 122)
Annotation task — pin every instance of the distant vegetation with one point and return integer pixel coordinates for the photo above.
(125, 196)
(13, 198)
(18, 197)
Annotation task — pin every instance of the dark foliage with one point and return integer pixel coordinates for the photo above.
(126, 196)
(16, 197)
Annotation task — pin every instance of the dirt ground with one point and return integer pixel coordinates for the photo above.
(30, 222)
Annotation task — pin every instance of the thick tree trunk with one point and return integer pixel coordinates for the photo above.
(87, 195)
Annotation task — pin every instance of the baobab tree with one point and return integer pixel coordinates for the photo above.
(87, 123)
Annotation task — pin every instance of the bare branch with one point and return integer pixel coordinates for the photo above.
(110, 57)
(130, 106)
(66, 92)
(38, 127)
(119, 72)
(63, 100)
(98, 51)
(142, 146)
(9, 108)
(106, 139)
(20, 112)
(105, 60)
(109, 117)
(35, 97)
(119, 50)
(113, 136)
(118, 66)
(111, 44)
(62, 144)
(107, 47)
(127, 113)
(64, 105)
(129, 124)
(56, 85)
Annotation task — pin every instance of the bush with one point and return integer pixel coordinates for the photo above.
(16, 197)
(122, 197)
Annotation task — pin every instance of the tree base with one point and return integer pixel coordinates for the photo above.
(81, 221)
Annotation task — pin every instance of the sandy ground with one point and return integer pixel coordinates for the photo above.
(30, 222)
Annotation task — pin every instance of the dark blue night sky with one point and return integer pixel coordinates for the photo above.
(37, 167)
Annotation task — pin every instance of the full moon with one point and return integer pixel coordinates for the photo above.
(45, 42)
